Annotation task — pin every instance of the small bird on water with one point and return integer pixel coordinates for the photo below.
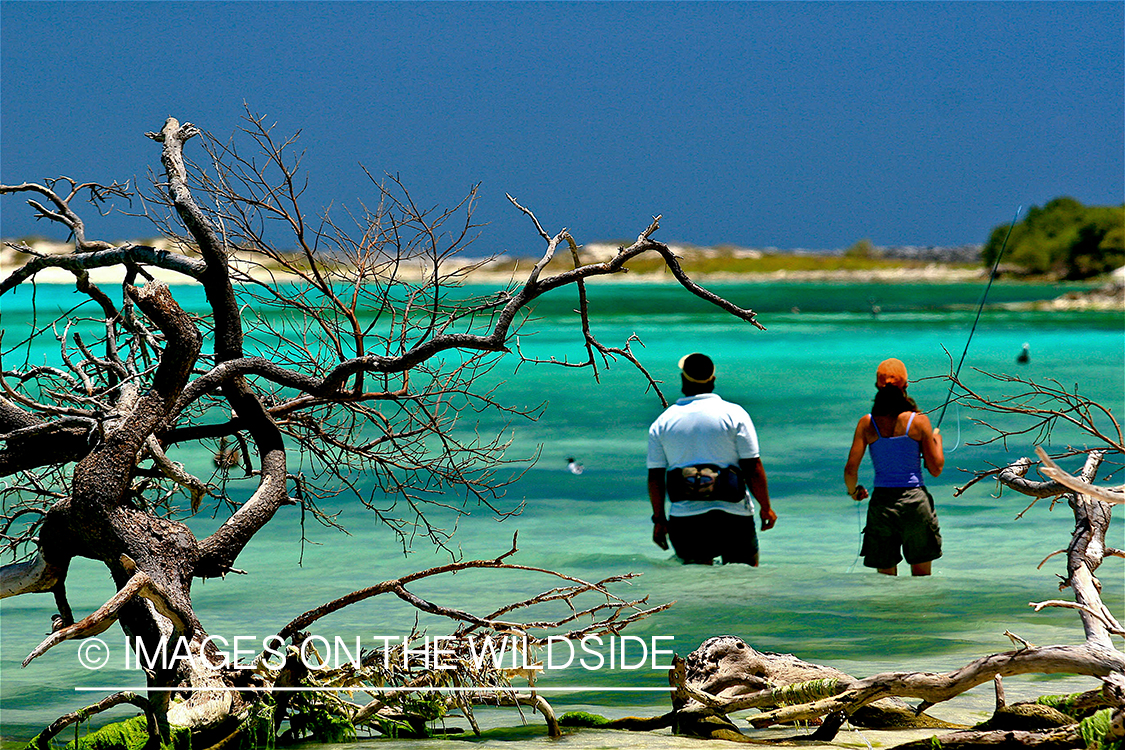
(1025, 355)
(573, 466)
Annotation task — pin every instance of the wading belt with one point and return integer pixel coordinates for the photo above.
(706, 482)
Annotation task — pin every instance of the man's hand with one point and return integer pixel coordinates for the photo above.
(769, 518)
(660, 534)
(859, 493)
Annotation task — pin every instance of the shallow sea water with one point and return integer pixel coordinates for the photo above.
(804, 381)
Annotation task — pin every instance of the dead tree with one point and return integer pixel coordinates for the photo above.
(338, 348)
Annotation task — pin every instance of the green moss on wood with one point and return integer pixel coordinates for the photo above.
(1095, 732)
(131, 734)
(582, 719)
(806, 692)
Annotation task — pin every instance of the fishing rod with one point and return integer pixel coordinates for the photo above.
(980, 308)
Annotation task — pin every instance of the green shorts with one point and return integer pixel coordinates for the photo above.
(901, 522)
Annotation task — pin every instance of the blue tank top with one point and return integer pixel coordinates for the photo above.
(897, 460)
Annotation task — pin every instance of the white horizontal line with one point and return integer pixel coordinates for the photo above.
(365, 689)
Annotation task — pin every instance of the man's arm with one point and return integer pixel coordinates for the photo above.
(755, 475)
(656, 497)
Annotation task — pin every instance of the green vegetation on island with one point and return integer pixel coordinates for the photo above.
(1063, 239)
(728, 260)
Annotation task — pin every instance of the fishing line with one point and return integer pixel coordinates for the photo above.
(859, 529)
(980, 309)
(957, 442)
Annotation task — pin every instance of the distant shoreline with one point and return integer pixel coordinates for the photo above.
(501, 272)
(929, 274)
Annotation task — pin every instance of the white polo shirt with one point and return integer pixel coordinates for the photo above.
(703, 429)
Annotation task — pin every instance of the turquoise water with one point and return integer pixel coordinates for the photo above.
(805, 381)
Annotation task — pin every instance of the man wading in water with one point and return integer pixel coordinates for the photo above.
(901, 520)
(703, 452)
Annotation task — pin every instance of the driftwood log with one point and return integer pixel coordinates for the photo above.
(725, 668)
(728, 667)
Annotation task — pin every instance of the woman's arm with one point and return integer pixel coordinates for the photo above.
(855, 456)
(929, 438)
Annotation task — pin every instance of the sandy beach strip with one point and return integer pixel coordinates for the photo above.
(502, 272)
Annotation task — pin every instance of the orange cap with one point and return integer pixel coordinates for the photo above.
(891, 372)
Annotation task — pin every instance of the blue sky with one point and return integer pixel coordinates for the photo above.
(790, 124)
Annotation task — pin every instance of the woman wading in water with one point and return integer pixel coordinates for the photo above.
(901, 521)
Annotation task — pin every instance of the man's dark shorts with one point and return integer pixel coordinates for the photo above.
(716, 533)
(901, 522)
